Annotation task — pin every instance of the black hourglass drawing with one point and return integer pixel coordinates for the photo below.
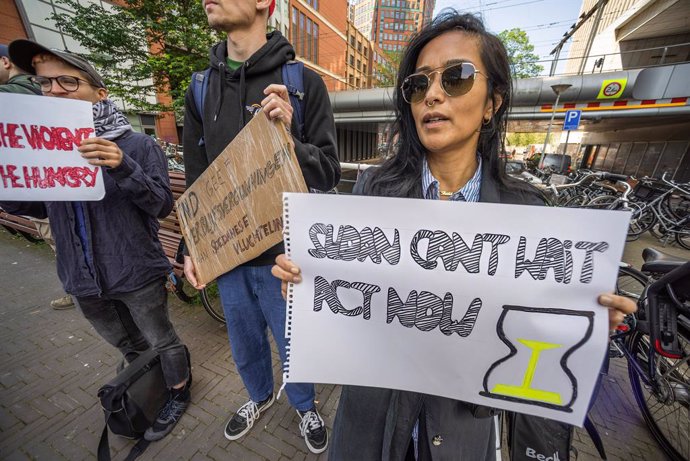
(499, 384)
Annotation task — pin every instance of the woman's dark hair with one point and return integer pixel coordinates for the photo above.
(400, 175)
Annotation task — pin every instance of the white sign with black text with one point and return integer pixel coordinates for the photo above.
(486, 303)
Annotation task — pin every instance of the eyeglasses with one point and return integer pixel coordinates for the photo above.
(66, 82)
(456, 80)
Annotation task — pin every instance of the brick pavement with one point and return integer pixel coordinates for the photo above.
(52, 364)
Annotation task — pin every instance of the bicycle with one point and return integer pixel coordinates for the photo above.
(209, 296)
(656, 344)
(580, 190)
(666, 215)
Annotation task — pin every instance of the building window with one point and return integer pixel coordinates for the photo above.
(148, 124)
(315, 30)
(295, 31)
(310, 40)
(302, 20)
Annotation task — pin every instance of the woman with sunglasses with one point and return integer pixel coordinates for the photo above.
(451, 102)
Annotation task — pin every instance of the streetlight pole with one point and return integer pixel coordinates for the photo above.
(558, 89)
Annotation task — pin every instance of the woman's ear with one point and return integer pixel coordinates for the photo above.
(102, 94)
(492, 107)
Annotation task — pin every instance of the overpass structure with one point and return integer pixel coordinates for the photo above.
(634, 121)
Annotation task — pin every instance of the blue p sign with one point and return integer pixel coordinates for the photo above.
(572, 119)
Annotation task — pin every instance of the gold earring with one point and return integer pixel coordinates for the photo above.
(486, 121)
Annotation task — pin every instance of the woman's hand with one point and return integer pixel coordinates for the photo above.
(619, 307)
(286, 271)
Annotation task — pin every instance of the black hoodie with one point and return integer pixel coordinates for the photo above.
(231, 99)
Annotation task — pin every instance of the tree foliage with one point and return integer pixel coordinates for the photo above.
(525, 139)
(520, 53)
(143, 46)
(388, 72)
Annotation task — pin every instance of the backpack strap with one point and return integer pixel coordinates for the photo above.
(199, 86)
(293, 79)
(103, 453)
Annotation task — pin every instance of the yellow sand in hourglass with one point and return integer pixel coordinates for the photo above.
(525, 391)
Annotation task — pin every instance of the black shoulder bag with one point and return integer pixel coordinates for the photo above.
(131, 403)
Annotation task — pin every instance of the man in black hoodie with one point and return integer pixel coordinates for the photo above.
(246, 73)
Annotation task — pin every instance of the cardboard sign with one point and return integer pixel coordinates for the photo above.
(485, 303)
(39, 160)
(233, 211)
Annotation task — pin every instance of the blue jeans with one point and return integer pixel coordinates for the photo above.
(252, 301)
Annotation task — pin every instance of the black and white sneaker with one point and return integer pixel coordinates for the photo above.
(169, 415)
(244, 419)
(313, 430)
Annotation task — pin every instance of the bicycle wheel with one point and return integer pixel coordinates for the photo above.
(211, 301)
(657, 230)
(641, 220)
(630, 283)
(683, 237)
(176, 286)
(665, 410)
(576, 201)
(602, 202)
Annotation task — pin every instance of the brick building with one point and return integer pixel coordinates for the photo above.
(317, 31)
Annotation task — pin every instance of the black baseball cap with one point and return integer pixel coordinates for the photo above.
(4, 51)
(22, 53)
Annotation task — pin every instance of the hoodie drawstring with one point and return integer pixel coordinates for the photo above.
(241, 95)
(221, 85)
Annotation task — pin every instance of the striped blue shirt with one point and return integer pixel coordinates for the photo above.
(467, 193)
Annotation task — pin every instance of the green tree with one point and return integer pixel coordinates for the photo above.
(520, 53)
(143, 46)
(389, 69)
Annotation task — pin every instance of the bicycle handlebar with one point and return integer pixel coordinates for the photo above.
(614, 177)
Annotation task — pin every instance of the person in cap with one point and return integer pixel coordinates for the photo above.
(246, 74)
(12, 78)
(109, 257)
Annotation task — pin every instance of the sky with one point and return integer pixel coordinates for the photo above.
(545, 21)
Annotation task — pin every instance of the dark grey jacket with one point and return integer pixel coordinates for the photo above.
(231, 98)
(375, 424)
(122, 229)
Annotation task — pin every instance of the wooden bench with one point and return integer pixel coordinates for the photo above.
(19, 224)
(169, 232)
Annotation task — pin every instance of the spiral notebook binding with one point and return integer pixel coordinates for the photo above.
(290, 288)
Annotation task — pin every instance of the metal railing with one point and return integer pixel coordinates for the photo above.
(665, 57)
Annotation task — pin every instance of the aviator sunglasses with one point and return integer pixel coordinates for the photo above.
(456, 79)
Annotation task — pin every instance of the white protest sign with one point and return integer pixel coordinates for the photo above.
(39, 160)
(486, 303)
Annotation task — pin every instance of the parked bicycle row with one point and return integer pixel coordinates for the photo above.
(660, 206)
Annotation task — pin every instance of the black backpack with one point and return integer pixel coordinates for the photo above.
(293, 79)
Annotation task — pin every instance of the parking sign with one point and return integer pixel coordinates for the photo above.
(572, 120)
